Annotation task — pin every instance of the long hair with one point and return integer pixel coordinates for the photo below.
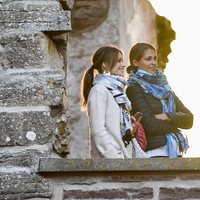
(106, 54)
(136, 53)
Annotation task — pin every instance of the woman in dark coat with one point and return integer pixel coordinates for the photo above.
(163, 112)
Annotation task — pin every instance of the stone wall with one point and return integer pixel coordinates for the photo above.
(152, 179)
(33, 105)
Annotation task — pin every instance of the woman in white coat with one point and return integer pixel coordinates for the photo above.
(107, 105)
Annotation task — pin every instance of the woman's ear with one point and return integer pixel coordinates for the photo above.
(105, 67)
(135, 63)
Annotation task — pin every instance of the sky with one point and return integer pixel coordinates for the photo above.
(183, 67)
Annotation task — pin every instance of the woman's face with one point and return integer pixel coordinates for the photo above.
(119, 68)
(148, 62)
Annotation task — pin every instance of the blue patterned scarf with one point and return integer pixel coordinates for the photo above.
(157, 85)
(116, 84)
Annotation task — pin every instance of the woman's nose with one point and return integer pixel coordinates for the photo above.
(123, 66)
(154, 61)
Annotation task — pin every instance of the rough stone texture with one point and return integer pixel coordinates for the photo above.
(25, 126)
(35, 20)
(136, 164)
(61, 141)
(32, 88)
(121, 193)
(179, 193)
(17, 186)
(28, 5)
(116, 30)
(33, 96)
(36, 5)
(27, 158)
(26, 50)
(153, 179)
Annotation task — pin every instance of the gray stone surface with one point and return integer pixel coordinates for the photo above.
(30, 5)
(25, 126)
(32, 88)
(113, 165)
(49, 3)
(179, 193)
(28, 158)
(35, 20)
(18, 186)
(155, 179)
(26, 50)
(119, 193)
(33, 99)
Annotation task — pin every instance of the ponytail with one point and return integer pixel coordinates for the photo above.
(106, 54)
(131, 68)
(87, 81)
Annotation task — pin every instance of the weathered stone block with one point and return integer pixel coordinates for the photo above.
(27, 5)
(28, 50)
(28, 158)
(134, 164)
(24, 186)
(25, 126)
(32, 88)
(119, 193)
(30, 5)
(179, 193)
(35, 21)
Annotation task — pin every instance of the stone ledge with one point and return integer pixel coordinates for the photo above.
(111, 165)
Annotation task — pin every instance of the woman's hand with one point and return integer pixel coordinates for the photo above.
(162, 116)
(135, 122)
(134, 125)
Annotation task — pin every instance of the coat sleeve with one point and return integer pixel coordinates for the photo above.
(97, 105)
(182, 118)
(151, 124)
